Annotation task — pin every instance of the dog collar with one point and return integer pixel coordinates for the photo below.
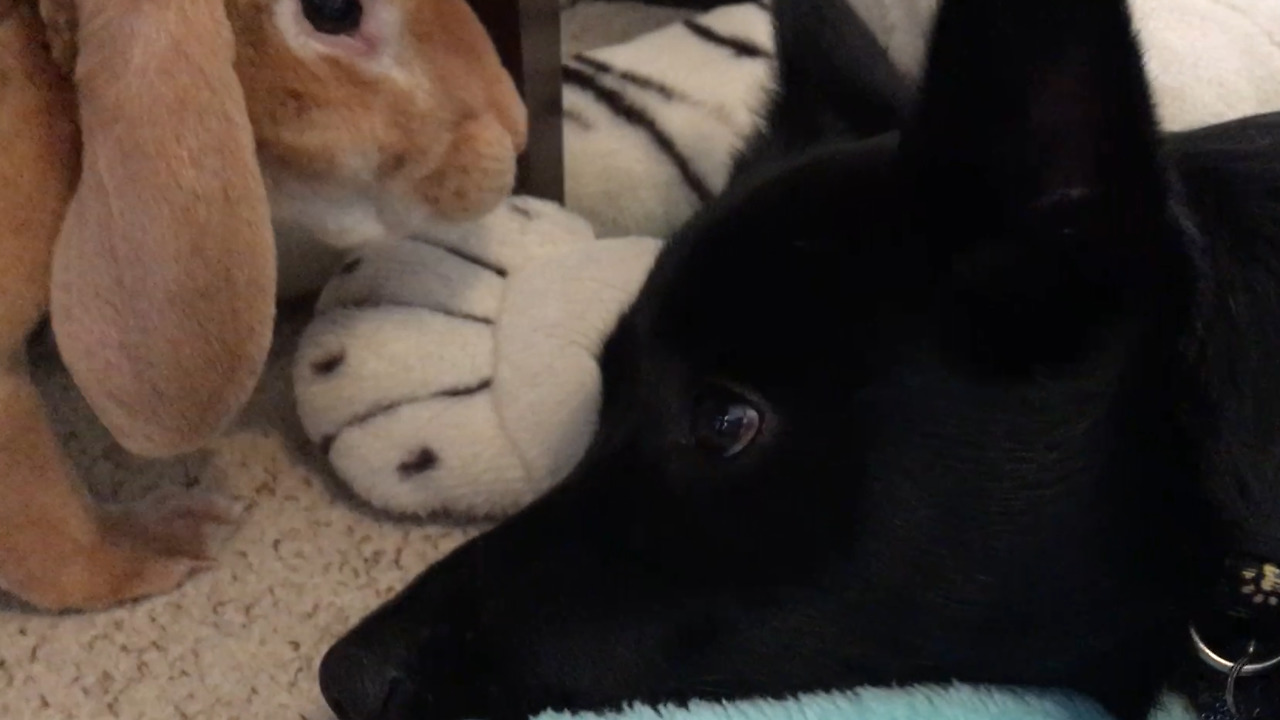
(1239, 648)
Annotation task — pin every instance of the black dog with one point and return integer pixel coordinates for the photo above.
(974, 401)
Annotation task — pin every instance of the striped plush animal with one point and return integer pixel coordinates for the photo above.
(652, 125)
(456, 374)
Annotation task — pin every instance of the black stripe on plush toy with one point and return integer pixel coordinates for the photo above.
(463, 255)
(575, 118)
(739, 46)
(326, 443)
(369, 303)
(466, 389)
(329, 365)
(666, 92)
(624, 109)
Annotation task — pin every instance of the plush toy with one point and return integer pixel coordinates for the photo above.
(440, 384)
(937, 702)
(652, 125)
(148, 148)
(455, 373)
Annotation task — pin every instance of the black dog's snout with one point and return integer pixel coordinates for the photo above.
(355, 684)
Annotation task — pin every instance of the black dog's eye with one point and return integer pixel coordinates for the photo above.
(333, 17)
(724, 423)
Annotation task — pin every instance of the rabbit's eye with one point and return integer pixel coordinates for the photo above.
(333, 17)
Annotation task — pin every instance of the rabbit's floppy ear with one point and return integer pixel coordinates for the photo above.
(163, 288)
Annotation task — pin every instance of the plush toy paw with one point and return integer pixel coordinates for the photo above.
(457, 374)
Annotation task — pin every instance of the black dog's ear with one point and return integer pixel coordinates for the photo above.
(1032, 168)
(835, 79)
(1028, 103)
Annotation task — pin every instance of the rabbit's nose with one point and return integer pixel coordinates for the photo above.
(509, 109)
(520, 139)
(515, 120)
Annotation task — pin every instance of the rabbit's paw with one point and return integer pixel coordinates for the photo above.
(184, 525)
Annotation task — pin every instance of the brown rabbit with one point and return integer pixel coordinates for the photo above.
(147, 150)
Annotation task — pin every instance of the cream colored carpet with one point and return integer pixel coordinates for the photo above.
(241, 642)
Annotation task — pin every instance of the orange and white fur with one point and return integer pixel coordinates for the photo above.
(148, 150)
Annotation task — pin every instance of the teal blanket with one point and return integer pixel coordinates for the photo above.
(944, 702)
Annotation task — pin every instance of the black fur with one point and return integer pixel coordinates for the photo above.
(1014, 369)
(834, 80)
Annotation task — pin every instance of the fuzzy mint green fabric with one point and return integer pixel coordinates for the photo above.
(943, 702)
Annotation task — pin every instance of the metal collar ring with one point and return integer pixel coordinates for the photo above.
(1225, 666)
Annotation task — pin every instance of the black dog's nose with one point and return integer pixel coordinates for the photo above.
(355, 684)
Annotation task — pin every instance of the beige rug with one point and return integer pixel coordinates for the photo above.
(241, 642)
